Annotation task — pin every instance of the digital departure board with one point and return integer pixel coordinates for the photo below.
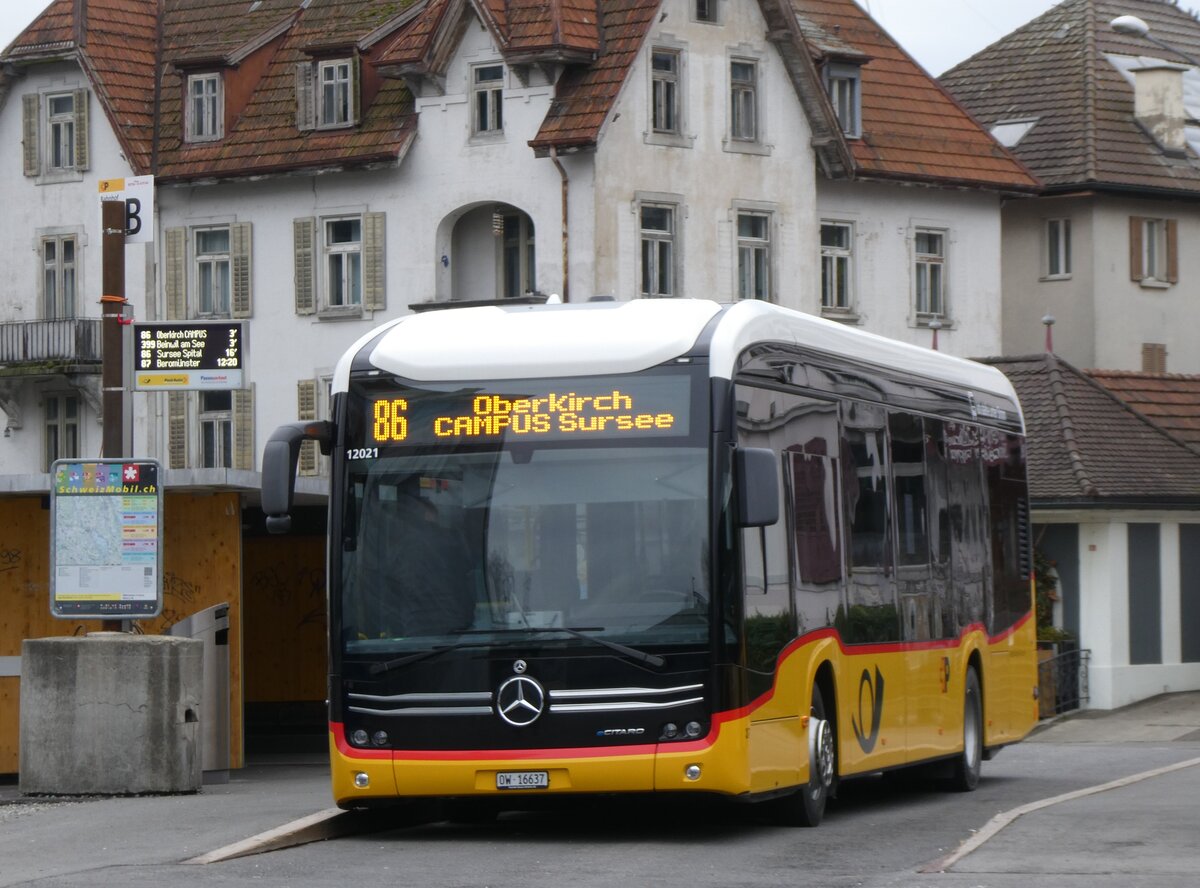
(541, 410)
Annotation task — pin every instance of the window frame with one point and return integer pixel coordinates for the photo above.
(760, 252)
(60, 269)
(743, 102)
(211, 258)
(209, 124)
(839, 256)
(843, 85)
(666, 95)
(56, 126)
(60, 426)
(924, 264)
(333, 253)
(345, 86)
(707, 12)
(655, 240)
(1154, 251)
(220, 420)
(487, 101)
(1057, 258)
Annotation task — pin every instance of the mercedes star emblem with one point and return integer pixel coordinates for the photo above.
(520, 700)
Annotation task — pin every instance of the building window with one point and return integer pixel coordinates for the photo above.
(60, 126)
(1153, 250)
(487, 100)
(215, 417)
(62, 427)
(213, 265)
(706, 11)
(657, 224)
(205, 108)
(336, 86)
(743, 98)
(837, 255)
(844, 84)
(664, 101)
(343, 262)
(54, 135)
(754, 255)
(58, 277)
(929, 248)
(1058, 247)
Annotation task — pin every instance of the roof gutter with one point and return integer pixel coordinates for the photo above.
(566, 266)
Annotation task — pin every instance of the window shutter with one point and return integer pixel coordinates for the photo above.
(243, 428)
(175, 274)
(306, 97)
(177, 449)
(306, 409)
(1172, 251)
(374, 238)
(355, 89)
(81, 129)
(239, 249)
(31, 107)
(1136, 272)
(304, 236)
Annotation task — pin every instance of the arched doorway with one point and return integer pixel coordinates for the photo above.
(490, 253)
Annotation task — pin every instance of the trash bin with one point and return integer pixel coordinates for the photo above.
(211, 626)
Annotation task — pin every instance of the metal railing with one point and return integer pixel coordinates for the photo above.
(76, 340)
(1062, 681)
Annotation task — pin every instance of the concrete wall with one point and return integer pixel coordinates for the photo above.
(111, 714)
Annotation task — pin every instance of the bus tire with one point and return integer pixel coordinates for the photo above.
(964, 776)
(806, 806)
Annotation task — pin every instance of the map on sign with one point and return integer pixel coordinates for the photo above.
(105, 539)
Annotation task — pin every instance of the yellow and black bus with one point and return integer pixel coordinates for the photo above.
(665, 546)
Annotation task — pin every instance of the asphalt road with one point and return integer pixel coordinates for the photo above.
(880, 833)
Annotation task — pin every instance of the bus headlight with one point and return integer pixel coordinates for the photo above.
(693, 730)
(360, 737)
(380, 738)
(670, 731)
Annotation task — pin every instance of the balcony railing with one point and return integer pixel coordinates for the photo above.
(70, 341)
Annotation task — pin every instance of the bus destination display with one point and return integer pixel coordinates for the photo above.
(613, 407)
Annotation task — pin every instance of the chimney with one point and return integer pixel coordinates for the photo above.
(1158, 104)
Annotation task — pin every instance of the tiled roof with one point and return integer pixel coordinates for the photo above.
(264, 137)
(912, 128)
(1055, 69)
(1172, 400)
(118, 51)
(585, 94)
(1088, 447)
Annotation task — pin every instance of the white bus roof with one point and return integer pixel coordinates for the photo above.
(521, 341)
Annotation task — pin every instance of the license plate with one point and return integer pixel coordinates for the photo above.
(522, 780)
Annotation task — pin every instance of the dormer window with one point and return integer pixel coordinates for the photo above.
(844, 83)
(204, 115)
(327, 94)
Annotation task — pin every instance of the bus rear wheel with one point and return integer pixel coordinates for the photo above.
(967, 766)
(806, 806)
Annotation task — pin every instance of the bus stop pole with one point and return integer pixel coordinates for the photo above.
(115, 441)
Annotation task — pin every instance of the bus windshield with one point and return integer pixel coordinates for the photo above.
(494, 542)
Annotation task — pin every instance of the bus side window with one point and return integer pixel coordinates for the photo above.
(1004, 462)
(970, 556)
(869, 614)
(913, 564)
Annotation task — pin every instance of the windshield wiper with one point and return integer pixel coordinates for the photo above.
(388, 665)
(632, 653)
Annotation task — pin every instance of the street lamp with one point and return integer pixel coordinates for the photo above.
(1132, 26)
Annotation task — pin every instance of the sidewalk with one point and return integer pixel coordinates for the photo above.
(1163, 719)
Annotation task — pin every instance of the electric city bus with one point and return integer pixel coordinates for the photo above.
(665, 546)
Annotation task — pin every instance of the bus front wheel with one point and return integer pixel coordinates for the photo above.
(806, 806)
(969, 763)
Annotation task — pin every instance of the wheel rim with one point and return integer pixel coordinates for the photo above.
(820, 739)
(971, 734)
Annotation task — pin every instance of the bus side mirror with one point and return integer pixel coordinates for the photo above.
(279, 461)
(757, 483)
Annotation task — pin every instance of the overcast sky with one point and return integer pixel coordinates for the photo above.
(938, 33)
